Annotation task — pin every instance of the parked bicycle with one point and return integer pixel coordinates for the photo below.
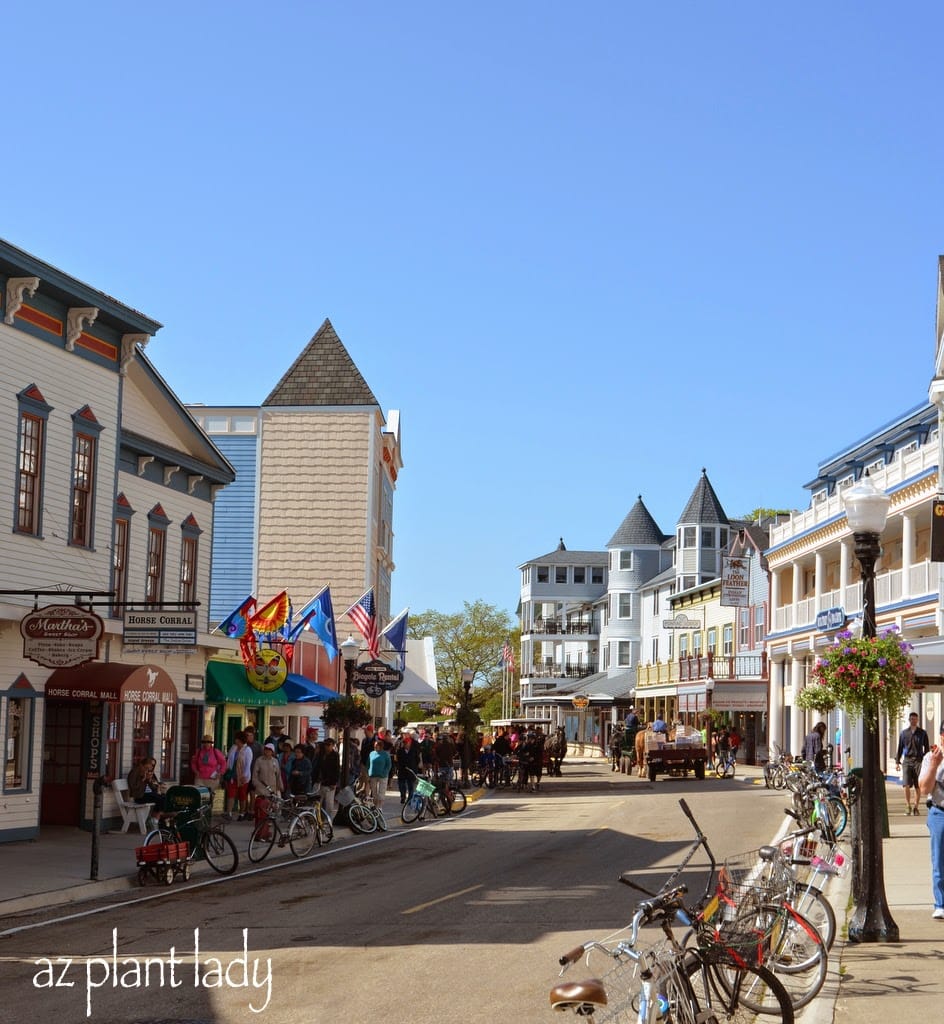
(725, 764)
(211, 842)
(720, 978)
(776, 768)
(362, 815)
(284, 824)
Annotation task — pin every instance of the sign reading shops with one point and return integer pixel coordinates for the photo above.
(153, 628)
(830, 619)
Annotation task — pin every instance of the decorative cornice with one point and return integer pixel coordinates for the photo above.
(16, 287)
(128, 344)
(143, 462)
(169, 471)
(192, 482)
(79, 317)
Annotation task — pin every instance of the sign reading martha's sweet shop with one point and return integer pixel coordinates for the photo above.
(61, 636)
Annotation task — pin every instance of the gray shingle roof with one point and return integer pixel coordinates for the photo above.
(703, 506)
(324, 374)
(637, 528)
(559, 557)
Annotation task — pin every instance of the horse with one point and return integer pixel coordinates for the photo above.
(556, 748)
(641, 751)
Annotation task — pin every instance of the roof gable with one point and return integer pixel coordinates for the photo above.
(323, 374)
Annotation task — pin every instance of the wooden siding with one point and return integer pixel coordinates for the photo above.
(67, 383)
(234, 527)
(314, 487)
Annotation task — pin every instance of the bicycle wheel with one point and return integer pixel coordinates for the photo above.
(458, 802)
(838, 815)
(302, 833)
(361, 819)
(795, 952)
(737, 995)
(412, 809)
(324, 829)
(220, 851)
(380, 818)
(816, 908)
(159, 835)
(262, 840)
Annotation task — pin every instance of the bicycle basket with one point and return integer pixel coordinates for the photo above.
(424, 787)
(622, 986)
(731, 943)
(745, 879)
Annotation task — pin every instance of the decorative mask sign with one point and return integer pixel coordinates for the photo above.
(61, 636)
(267, 671)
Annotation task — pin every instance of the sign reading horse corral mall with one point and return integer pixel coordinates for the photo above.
(152, 628)
(61, 636)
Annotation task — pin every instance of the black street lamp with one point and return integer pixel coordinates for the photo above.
(866, 511)
(466, 753)
(350, 649)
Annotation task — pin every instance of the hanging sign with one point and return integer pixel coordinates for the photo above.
(580, 701)
(937, 530)
(61, 636)
(735, 582)
(376, 677)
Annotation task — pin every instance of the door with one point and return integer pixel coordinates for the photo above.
(62, 764)
(191, 729)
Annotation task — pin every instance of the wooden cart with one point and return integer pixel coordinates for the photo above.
(163, 862)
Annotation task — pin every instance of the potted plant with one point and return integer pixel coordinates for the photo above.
(866, 675)
(816, 697)
(346, 712)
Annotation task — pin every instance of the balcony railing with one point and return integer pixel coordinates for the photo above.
(552, 627)
(889, 589)
(558, 671)
(705, 666)
(904, 468)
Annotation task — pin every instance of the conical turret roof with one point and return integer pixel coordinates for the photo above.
(637, 529)
(324, 374)
(703, 506)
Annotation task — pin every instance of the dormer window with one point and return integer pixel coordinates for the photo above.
(819, 496)
(875, 467)
(846, 481)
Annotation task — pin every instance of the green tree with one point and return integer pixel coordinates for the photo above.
(470, 639)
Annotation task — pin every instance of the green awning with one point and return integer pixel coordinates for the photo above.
(226, 683)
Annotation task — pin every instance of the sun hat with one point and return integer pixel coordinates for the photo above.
(270, 746)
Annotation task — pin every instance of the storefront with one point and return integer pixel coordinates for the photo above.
(233, 703)
(101, 718)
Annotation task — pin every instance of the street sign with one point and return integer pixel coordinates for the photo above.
(152, 628)
(61, 636)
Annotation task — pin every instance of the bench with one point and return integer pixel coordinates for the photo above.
(131, 813)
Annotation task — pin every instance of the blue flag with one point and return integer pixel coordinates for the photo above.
(321, 623)
(396, 636)
(236, 624)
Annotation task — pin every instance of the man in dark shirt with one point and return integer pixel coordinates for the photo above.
(913, 744)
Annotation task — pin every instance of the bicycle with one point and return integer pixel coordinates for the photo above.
(211, 843)
(284, 824)
(725, 764)
(720, 978)
(776, 768)
(361, 815)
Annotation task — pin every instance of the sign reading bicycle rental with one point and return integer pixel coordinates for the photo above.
(376, 677)
(61, 636)
(152, 628)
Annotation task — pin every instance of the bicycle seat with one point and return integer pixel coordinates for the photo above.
(581, 996)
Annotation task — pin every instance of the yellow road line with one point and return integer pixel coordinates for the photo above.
(442, 899)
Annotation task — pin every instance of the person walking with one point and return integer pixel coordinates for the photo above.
(239, 762)
(208, 765)
(378, 771)
(406, 756)
(330, 767)
(813, 748)
(913, 744)
(931, 785)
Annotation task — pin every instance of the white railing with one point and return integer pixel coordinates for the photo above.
(889, 589)
(895, 473)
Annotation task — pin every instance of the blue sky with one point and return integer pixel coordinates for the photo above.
(585, 249)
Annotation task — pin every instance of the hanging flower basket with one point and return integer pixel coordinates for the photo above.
(816, 697)
(866, 675)
(346, 712)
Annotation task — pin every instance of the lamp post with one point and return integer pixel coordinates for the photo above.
(467, 676)
(349, 651)
(866, 511)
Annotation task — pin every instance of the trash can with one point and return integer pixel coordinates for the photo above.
(187, 802)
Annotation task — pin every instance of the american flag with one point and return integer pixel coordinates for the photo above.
(362, 614)
(507, 657)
